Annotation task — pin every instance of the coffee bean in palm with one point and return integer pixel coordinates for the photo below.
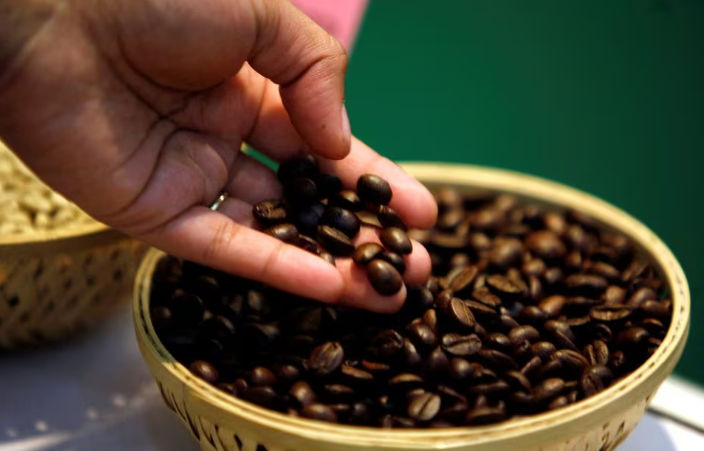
(373, 189)
(306, 243)
(307, 218)
(396, 240)
(364, 253)
(328, 185)
(306, 166)
(342, 220)
(347, 199)
(388, 217)
(326, 358)
(385, 279)
(269, 212)
(335, 241)
(395, 259)
(204, 370)
(327, 256)
(301, 191)
(285, 232)
(424, 407)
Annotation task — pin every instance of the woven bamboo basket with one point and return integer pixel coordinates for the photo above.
(56, 281)
(221, 422)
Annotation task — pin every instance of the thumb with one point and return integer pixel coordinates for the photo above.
(309, 66)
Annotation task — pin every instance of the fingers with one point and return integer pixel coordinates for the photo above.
(410, 199)
(309, 65)
(252, 181)
(214, 239)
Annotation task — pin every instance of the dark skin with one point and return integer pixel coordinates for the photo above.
(136, 110)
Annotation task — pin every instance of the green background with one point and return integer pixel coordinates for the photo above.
(607, 96)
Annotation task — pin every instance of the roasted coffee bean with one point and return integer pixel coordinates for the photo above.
(302, 393)
(437, 361)
(356, 375)
(424, 407)
(327, 256)
(497, 359)
(346, 199)
(264, 396)
(335, 241)
(405, 382)
(561, 333)
(505, 252)
(366, 252)
(461, 345)
(269, 211)
(543, 349)
(517, 380)
(459, 313)
(287, 372)
(307, 243)
(461, 282)
(548, 389)
(285, 232)
(570, 359)
(459, 259)
(610, 313)
(301, 191)
(487, 298)
(545, 244)
(326, 358)
(204, 370)
(532, 366)
(505, 287)
(552, 305)
(375, 367)
(633, 336)
(586, 284)
(460, 368)
(614, 295)
(419, 298)
(520, 334)
(656, 309)
(387, 343)
(262, 376)
(186, 308)
(499, 341)
(306, 166)
(396, 240)
(342, 220)
(640, 296)
(162, 318)
(395, 259)
(533, 267)
(328, 185)
(410, 354)
(422, 335)
(307, 218)
(385, 279)
(486, 414)
(389, 218)
(320, 412)
(594, 379)
(372, 188)
(338, 392)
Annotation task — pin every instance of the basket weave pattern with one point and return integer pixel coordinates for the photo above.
(46, 296)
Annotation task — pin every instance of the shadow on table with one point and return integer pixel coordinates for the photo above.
(649, 434)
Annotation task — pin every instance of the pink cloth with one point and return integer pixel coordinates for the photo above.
(341, 18)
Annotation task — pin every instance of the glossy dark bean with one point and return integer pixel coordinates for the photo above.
(269, 212)
(505, 287)
(610, 313)
(320, 412)
(372, 188)
(264, 396)
(552, 305)
(486, 414)
(306, 166)
(461, 282)
(543, 349)
(594, 379)
(301, 191)
(387, 343)
(389, 218)
(385, 279)
(335, 241)
(285, 232)
(356, 375)
(586, 284)
(459, 313)
(548, 389)
(460, 368)
(422, 335)
(461, 345)
(204, 370)
(424, 407)
(396, 260)
(326, 358)
(506, 252)
(437, 361)
(307, 218)
(262, 376)
(342, 220)
(328, 185)
(364, 253)
(302, 393)
(307, 243)
(545, 244)
(498, 359)
(327, 256)
(347, 199)
(396, 240)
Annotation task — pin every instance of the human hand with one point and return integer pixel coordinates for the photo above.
(137, 110)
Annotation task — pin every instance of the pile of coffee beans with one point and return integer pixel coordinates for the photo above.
(28, 205)
(528, 309)
(318, 215)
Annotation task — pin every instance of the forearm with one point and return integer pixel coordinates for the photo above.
(20, 20)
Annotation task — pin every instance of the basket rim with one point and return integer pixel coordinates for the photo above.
(47, 241)
(561, 422)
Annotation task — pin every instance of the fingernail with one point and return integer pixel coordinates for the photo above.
(346, 129)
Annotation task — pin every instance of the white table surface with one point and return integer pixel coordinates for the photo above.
(94, 392)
